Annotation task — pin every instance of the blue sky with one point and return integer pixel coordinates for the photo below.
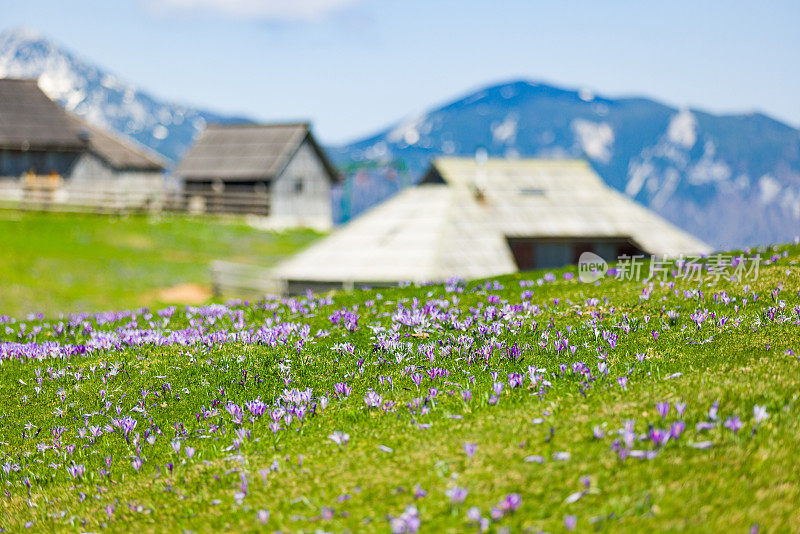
(353, 66)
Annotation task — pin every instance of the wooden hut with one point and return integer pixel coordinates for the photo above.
(472, 219)
(49, 154)
(274, 170)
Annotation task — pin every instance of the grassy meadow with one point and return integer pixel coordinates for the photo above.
(528, 403)
(52, 263)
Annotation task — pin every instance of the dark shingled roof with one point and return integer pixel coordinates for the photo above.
(29, 120)
(247, 152)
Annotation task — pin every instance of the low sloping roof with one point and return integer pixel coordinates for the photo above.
(457, 221)
(559, 198)
(29, 120)
(118, 152)
(246, 152)
(423, 233)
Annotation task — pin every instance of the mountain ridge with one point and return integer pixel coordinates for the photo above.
(101, 97)
(732, 179)
(689, 165)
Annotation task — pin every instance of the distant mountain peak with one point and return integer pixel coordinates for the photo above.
(100, 96)
(733, 179)
(693, 167)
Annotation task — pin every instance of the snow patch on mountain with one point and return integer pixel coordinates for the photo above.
(596, 139)
(769, 188)
(709, 168)
(410, 131)
(506, 131)
(682, 129)
(638, 172)
(664, 189)
(585, 94)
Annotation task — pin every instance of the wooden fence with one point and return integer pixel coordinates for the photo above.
(108, 199)
(253, 202)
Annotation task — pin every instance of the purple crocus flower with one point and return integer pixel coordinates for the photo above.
(659, 437)
(663, 409)
(340, 438)
(676, 429)
(570, 521)
(712, 412)
(680, 408)
(408, 522)
(77, 471)
(469, 449)
(263, 516)
(457, 495)
(372, 399)
(760, 414)
(733, 423)
(511, 502)
(189, 452)
(342, 389)
(534, 458)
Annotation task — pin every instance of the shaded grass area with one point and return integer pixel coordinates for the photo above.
(54, 263)
(553, 446)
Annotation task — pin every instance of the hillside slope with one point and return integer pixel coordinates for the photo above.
(531, 402)
(58, 263)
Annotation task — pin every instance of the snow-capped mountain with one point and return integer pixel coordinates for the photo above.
(733, 180)
(101, 97)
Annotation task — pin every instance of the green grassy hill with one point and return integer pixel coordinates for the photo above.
(55, 263)
(531, 402)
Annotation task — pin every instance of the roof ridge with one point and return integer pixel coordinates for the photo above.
(221, 125)
(24, 80)
(512, 161)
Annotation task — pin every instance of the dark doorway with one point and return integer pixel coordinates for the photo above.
(553, 252)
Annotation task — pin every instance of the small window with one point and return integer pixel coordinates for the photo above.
(532, 191)
(298, 186)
